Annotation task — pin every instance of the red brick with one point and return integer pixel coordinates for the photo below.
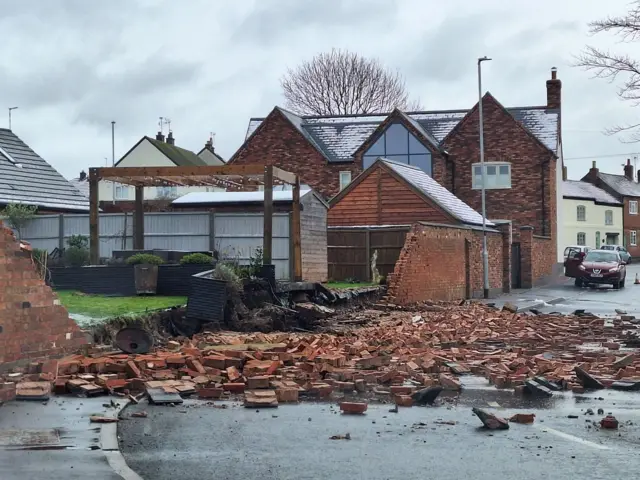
(195, 365)
(401, 390)
(233, 387)
(286, 394)
(210, 392)
(233, 374)
(403, 400)
(258, 382)
(132, 370)
(353, 407)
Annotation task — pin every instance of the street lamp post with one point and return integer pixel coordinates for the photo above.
(485, 253)
(10, 110)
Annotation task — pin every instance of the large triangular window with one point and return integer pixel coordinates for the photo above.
(398, 144)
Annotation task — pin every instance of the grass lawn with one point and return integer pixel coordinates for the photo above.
(342, 285)
(98, 306)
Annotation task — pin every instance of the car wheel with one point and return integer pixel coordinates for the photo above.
(578, 282)
(616, 285)
(622, 283)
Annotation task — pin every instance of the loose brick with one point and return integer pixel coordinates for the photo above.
(234, 387)
(403, 400)
(254, 383)
(210, 393)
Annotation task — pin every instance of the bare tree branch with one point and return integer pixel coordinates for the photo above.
(617, 67)
(342, 82)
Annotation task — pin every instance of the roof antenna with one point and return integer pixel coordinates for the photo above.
(160, 124)
(167, 122)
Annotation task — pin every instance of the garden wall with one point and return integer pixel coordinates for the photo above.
(173, 280)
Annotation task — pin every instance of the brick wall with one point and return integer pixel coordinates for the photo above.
(32, 322)
(277, 142)
(445, 263)
(537, 260)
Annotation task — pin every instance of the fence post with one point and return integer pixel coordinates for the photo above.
(212, 231)
(367, 250)
(61, 231)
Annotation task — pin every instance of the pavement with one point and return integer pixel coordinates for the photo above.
(564, 297)
(197, 441)
(54, 440)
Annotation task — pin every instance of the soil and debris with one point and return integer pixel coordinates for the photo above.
(390, 358)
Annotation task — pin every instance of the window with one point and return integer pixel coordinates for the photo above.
(122, 191)
(345, 179)
(166, 192)
(633, 207)
(608, 217)
(633, 238)
(582, 238)
(399, 145)
(498, 175)
(597, 239)
(581, 213)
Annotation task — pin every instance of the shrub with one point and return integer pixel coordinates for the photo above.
(78, 241)
(76, 256)
(144, 259)
(196, 259)
(17, 215)
(228, 274)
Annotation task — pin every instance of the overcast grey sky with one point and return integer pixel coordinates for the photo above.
(72, 66)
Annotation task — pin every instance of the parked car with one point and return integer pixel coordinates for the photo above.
(624, 253)
(573, 256)
(602, 267)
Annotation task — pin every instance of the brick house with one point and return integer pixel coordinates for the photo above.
(627, 191)
(522, 149)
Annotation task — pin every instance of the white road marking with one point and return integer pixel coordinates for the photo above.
(573, 438)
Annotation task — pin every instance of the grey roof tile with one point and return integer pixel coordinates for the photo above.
(27, 178)
(621, 184)
(587, 191)
(338, 137)
(440, 195)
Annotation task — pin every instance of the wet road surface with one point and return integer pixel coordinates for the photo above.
(53, 441)
(197, 441)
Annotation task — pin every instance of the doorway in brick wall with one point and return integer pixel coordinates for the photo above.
(516, 277)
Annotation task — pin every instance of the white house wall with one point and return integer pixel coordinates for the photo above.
(594, 222)
(209, 158)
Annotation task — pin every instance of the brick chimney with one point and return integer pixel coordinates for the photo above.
(83, 175)
(209, 145)
(554, 89)
(160, 137)
(170, 139)
(628, 170)
(592, 174)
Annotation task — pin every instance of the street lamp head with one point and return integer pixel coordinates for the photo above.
(484, 59)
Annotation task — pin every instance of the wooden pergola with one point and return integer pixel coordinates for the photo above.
(231, 177)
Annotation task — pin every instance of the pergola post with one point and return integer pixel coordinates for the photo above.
(94, 218)
(138, 224)
(267, 239)
(297, 247)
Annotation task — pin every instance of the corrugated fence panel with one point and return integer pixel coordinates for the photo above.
(239, 235)
(177, 231)
(42, 232)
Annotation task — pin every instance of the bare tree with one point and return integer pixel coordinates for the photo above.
(342, 82)
(615, 66)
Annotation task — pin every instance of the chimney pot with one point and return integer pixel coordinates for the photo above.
(554, 72)
(593, 164)
(160, 137)
(170, 139)
(554, 90)
(83, 176)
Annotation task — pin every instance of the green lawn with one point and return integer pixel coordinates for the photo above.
(98, 306)
(342, 285)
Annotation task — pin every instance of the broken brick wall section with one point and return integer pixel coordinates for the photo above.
(33, 323)
(537, 257)
(445, 263)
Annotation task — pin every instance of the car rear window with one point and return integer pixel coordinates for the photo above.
(606, 257)
(608, 247)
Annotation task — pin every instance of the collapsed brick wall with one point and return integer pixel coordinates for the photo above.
(33, 324)
(445, 263)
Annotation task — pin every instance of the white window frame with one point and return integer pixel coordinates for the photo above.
(121, 191)
(494, 182)
(584, 239)
(167, 191)
(634, 204)
(608, 217)
(345, 179)
(633, 238)
(581, 209)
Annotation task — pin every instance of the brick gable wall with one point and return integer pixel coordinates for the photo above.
(33, 323)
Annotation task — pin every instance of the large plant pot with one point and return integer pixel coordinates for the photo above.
(146, 279)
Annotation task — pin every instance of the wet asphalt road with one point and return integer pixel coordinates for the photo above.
(197, 441)
(53, 441)
(565, 297)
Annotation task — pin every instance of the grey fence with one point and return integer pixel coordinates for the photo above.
(234, 235)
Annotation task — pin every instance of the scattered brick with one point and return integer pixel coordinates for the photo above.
(353, 407)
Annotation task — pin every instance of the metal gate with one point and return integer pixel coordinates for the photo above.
(516, 262)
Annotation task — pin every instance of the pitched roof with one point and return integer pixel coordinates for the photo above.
(621, 184)
(338, 137)
(81, 185)
(180, 156)
(27, 178)
(587, 191)
(212, 151)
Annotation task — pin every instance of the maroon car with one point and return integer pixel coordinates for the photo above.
(602, 267)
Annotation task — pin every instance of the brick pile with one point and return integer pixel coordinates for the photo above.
(401, 351)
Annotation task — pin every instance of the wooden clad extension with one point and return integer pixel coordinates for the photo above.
(379, 197)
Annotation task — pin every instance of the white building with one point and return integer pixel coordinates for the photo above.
(590, 215)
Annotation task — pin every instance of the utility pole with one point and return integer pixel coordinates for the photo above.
(113, 157)
(485, 253)
(10, 110)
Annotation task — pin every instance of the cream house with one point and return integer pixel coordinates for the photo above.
(591, 216)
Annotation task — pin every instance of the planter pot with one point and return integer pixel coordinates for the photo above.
(146, 279)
